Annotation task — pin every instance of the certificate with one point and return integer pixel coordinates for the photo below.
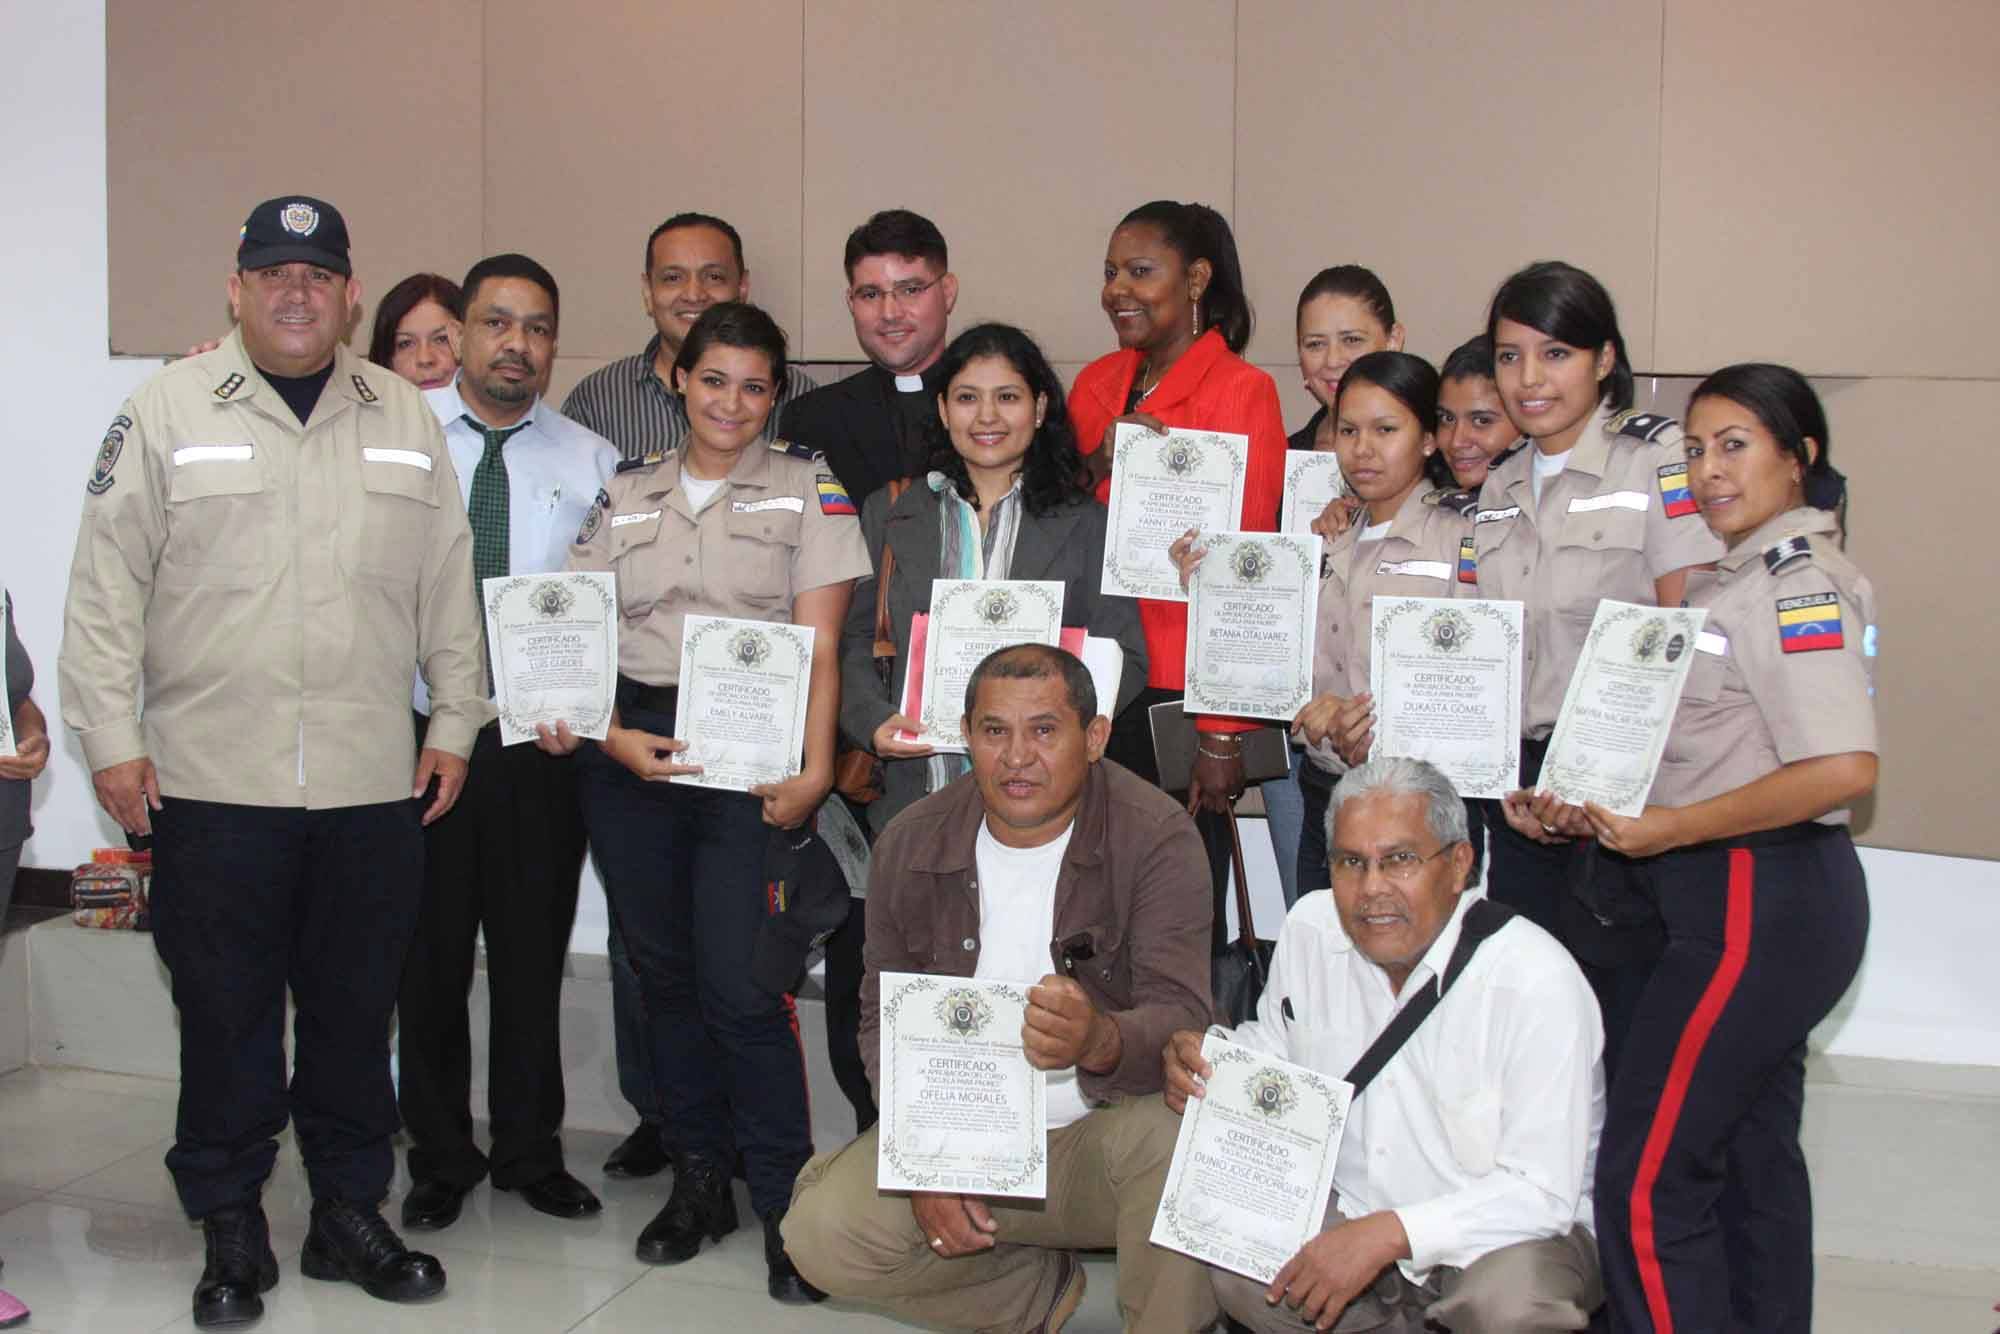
(7, 743)
(1161, 486)
(554, 645)
(1312, 481)
(1253, 1167)
(1252, 607)
(1446, 677)
(962, 1110)
(1620, 702)
(970, 618)
(742, 703)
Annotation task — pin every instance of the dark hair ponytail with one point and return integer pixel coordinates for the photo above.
(1570, 306)
(1357, 282)
(1196, 231)
(736, 324)
(1410, 378)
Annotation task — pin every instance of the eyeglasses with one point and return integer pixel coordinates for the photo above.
(1400, 866)
(906, 292)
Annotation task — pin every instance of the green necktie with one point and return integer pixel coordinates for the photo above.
(487, 510)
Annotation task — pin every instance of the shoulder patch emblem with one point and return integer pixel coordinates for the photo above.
(792, 449)
(633, 465)
(1675, 497)
(230, 384)
(1468, 560)
(833, 497)
(361, 388)
(593, 520)
(1780, 554)
(1809, 622)
(107, 456)
(1639, 425)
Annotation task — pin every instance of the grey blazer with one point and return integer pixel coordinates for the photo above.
(1065, 544)
(14, 828)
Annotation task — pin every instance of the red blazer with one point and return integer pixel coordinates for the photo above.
(1209, 389)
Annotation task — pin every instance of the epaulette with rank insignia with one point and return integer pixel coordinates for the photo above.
(633, 465)
(1639, 425)
(230, 384)
(362, 390)
(792, 449)
(1454, 502)
(1780, 554)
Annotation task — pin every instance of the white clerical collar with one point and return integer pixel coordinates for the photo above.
(909, 384)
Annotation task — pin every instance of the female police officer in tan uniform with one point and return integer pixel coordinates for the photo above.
(1598, 508)
(726, 526)
(1703, 1209)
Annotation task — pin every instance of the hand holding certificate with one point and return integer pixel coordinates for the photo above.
(1312, 482)
(1161, 486)
(970, 618)
(742, 705)
(962, 1110)
(1253, 1166)
(554, 645)
(1253, 603)
(1446, 677)
(1620, 703)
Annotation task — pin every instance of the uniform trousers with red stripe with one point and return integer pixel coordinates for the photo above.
(1704, 1210)
(684, 870)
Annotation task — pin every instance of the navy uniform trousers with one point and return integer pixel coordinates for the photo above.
(249, 901)
(684, 869)
(1704, 1212)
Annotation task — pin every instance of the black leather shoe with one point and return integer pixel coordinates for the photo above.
(641, 1155)
(559, 1195)
(701, 1206)
(784, 1281)
(239, 1270)
(432, 1206)
(354, 1243)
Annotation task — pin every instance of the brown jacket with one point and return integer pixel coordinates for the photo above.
(1134, 880)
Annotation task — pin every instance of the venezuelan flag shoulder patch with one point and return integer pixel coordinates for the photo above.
(1675, 498)
(833, 497)
(1809, 622)
(1468, 560)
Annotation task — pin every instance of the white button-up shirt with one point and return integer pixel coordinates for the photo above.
(1482, 1131)
(555, 468)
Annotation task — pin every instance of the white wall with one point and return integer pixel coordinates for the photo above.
(1928, 990)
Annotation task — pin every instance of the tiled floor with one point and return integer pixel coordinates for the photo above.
(93, 1241)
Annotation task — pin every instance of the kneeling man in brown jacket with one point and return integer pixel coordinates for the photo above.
(1047, 861)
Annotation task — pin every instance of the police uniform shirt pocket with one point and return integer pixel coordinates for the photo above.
(398, 508)
(1472, 1127)
(639, 561)
(760, 547)
(219, 516)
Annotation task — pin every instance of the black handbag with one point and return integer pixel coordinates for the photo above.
(1238, 972)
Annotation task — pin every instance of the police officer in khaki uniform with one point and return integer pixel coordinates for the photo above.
(1597, 507)
(272, 535)
(1703, 1206)
(726, 526)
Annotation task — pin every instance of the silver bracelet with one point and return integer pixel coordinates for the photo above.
(1219, 754)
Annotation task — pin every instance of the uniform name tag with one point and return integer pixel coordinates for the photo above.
(1611, 500)
(793, 503)
(1428, 569)
(409, 458)
(1707, 641)
(212, 454)
(620, 520)
(1494, 516)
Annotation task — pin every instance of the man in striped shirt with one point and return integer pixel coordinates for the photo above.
(693, 260)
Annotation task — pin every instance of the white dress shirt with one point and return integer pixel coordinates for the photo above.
(1482, 1131)
(555, 468)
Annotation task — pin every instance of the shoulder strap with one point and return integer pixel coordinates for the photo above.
(1482, 919)
(885, 641)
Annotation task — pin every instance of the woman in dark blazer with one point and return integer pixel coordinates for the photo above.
(1003, 500)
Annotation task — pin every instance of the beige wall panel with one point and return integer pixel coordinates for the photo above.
(1444, 144)
(604, 120)
(1024, 130)
(210, 111)
(1830, 182)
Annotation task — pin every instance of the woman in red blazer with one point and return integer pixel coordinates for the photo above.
(1173, 291)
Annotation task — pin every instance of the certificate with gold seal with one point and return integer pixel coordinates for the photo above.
(742, 703)
(1446, 677)
(1621, 700)
(969, 619)
(1253, 1166)
(962, 1110)
(1253, 604)
(1161, 486)
(554, 643)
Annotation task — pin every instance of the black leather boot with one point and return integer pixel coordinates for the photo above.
(784, 1281)
(355, 1243)
(239, 1270)
(701, 1206)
